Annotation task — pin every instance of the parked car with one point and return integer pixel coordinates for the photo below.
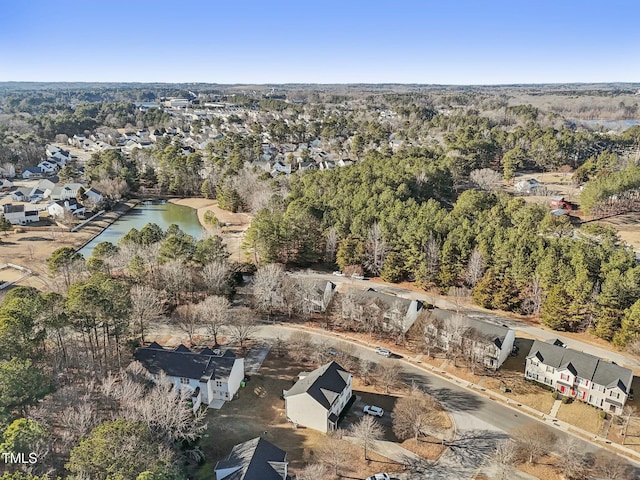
(338, 273)
(383, 351)
(379, 476)
(373, 410)
(355, 276)
(514, 351)
(332, 351)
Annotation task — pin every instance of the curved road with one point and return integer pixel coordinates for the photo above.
(480, 422)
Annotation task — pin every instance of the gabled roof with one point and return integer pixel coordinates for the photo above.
(324, 384)
(582, 365)
(496, 333)
(256, 459)
(389, 300)
(184, 363)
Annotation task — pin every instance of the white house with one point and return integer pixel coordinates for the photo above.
(5, 184)
(94, 195)
(58, 208)
(211, 378)
(318, 399)
(486, 343)
(585, 377)
(256, 459)
(31, 172)
(18, 215)
(48, 167)
(21, 194)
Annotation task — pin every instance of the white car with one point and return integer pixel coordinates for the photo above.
(355, 276)
(373, 410)
(383, 351)
(338, 273)
(379, 476)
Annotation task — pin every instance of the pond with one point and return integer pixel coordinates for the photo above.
(162, 214)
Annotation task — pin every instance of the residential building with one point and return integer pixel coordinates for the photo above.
(484, 343)
(58, 209)
(397, 313)
(31, 172)
(529, 186)
(18, 215)
(212, 379)
(318, 295)
(580, 375)
(318, 398)
(256, 459)
(48, 167)
(94, 195)
(21, 194)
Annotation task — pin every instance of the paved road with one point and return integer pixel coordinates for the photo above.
(480, 422)
(536, 332)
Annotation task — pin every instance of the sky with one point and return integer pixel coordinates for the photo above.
(461, 42)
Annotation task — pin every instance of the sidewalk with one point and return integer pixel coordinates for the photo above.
(584, 435)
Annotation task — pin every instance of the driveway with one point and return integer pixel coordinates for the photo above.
(254, 358)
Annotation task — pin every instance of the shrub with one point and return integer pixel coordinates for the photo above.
(566, 400)
(555, 395)
(603, 414)
(211, 219)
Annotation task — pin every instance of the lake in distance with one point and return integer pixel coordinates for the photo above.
(162, 214)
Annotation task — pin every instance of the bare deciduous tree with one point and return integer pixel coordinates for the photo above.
(146, 306)
(267, 286)
(213, 313)
(242, 326)
(331, 245)
(187, 320)
(388, 375)
(334, 452)
(574, 463)
(376, 250)
(532, 303)
(475, 268)
(416, 415)
(300, 345)
(216, 277)
(458, 295)
(534, 440)
(608, 466)
(486, 179)
(175, 278)
(366, 431)
(313, 472)
(366, 370)
(505, 457)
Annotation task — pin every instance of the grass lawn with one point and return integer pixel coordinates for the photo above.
(582, 416)
(544, 468)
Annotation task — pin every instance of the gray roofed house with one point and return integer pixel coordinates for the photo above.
(256, 459)
(318, 398)
(217, 377)
(398, 313)
(18, 214)
(586, 377)
(490, 343)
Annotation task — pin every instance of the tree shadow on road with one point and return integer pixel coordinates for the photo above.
(452, 400)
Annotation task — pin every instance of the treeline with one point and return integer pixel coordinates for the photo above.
(68, 391)
(382, 215)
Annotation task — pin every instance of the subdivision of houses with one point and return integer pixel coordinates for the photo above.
(579, 375)
(318, 398)
(256, 459)
(19, 215)
(210, 378)
(485, 343)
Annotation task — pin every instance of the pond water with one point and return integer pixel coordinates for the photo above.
(162, 214)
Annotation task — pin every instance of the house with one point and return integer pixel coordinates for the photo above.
(559, 203)
(68, 191)
(256, 459)
(576, 374)
(397, 313)
(31, 172)
(529, 186)
(18, 215)
(212, 379)
(345, 162)
(327, 165)
(279, 167)
(318, 295)
(58, 209)
(94, 195)
(48, 167)
(485, 343)
(43, 189)
(5, 184)
(21, 194)
(308, 165)
(318, 399)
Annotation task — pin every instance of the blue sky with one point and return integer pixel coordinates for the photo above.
(309, 41)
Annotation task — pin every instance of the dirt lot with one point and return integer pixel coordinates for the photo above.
(627, 227)
(259, 411)
(235, 227)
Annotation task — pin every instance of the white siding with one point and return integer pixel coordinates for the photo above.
(304, 410)
(507, 346)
